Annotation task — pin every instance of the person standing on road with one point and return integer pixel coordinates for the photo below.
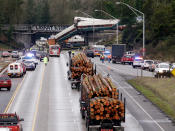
(45, 60)
(109, 58)
(73, 52)
(102, 58)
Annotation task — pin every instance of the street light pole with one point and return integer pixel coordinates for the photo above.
(135, 10)
(113, 18)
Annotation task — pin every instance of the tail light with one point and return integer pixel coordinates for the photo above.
(16, 67)
(11, 67)
(51, 52)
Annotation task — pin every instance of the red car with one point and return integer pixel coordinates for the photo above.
(5, 82)
(127, 59)
(11, 122)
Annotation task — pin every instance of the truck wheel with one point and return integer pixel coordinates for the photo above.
(8, 88)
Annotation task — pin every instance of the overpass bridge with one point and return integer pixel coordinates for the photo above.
(27, 34)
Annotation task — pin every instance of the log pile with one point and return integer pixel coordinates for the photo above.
(98, 86)
(106, 108)
(81, 65)
(102, 96)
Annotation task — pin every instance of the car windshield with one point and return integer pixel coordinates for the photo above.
(149, 62)
(54, 47)
(164, 66)
(28, 62)
(108, 53)
(8, 118)
(4, 78)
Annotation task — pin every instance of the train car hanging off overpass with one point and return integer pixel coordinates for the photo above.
(84, 25)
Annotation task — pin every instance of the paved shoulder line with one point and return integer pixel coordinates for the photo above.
(14, 95)
(38, 100)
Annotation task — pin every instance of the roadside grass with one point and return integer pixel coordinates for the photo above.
(161, 92)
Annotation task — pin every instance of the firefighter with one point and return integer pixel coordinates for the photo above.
(45, 60)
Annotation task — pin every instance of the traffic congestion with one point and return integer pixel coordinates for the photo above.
(84, 71)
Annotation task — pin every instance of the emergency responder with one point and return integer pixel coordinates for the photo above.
(102, 58)
(45, 60)
(73, 52)
(109, 58)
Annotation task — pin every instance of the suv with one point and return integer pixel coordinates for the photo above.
(162, 69)
(127, 59)
(89, 53)
(137, 62)
(5, 54)
(146, 63)
(15, 69)
(15, 54)
(10, 122)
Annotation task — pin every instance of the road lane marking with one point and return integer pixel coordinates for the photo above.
(14, 95)
(38, 100)
(137, 104)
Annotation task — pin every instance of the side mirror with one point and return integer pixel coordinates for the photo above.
(67, 64)
(22, 119)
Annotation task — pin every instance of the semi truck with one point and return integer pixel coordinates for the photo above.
(118, 50)
(100, 104)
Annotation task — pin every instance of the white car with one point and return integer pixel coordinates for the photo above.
(15, 54)
(137, 62)
(146, 63)
(28, 58)
(161, 69)
(15, 69)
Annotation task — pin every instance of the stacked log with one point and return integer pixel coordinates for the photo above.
(98, 86)
(81, 65)
(102, 96)
(106, 108)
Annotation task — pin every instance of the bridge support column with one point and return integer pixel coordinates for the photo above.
(25, 39)
(86, 39)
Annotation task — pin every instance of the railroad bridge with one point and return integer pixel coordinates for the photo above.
(27, 34)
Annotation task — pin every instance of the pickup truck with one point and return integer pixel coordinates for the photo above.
(10, 122)
(127, 59)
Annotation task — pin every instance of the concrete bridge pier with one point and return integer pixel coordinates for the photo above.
(24, 38)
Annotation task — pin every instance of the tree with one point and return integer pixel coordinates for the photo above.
(30, 12)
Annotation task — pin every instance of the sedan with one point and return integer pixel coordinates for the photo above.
(29, 65)
(5, 82)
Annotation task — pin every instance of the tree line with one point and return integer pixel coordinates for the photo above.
(159, 17)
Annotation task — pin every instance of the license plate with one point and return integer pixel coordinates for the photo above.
(5, 82)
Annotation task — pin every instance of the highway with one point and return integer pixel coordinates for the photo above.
(45, 100)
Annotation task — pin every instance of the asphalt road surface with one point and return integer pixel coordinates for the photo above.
(45, 100)
(143, 112)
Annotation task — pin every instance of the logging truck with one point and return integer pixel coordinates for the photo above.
(78, 65)
(100, 105)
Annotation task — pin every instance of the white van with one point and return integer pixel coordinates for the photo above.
(15, 69)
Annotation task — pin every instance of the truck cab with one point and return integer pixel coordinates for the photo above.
(10, 122)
